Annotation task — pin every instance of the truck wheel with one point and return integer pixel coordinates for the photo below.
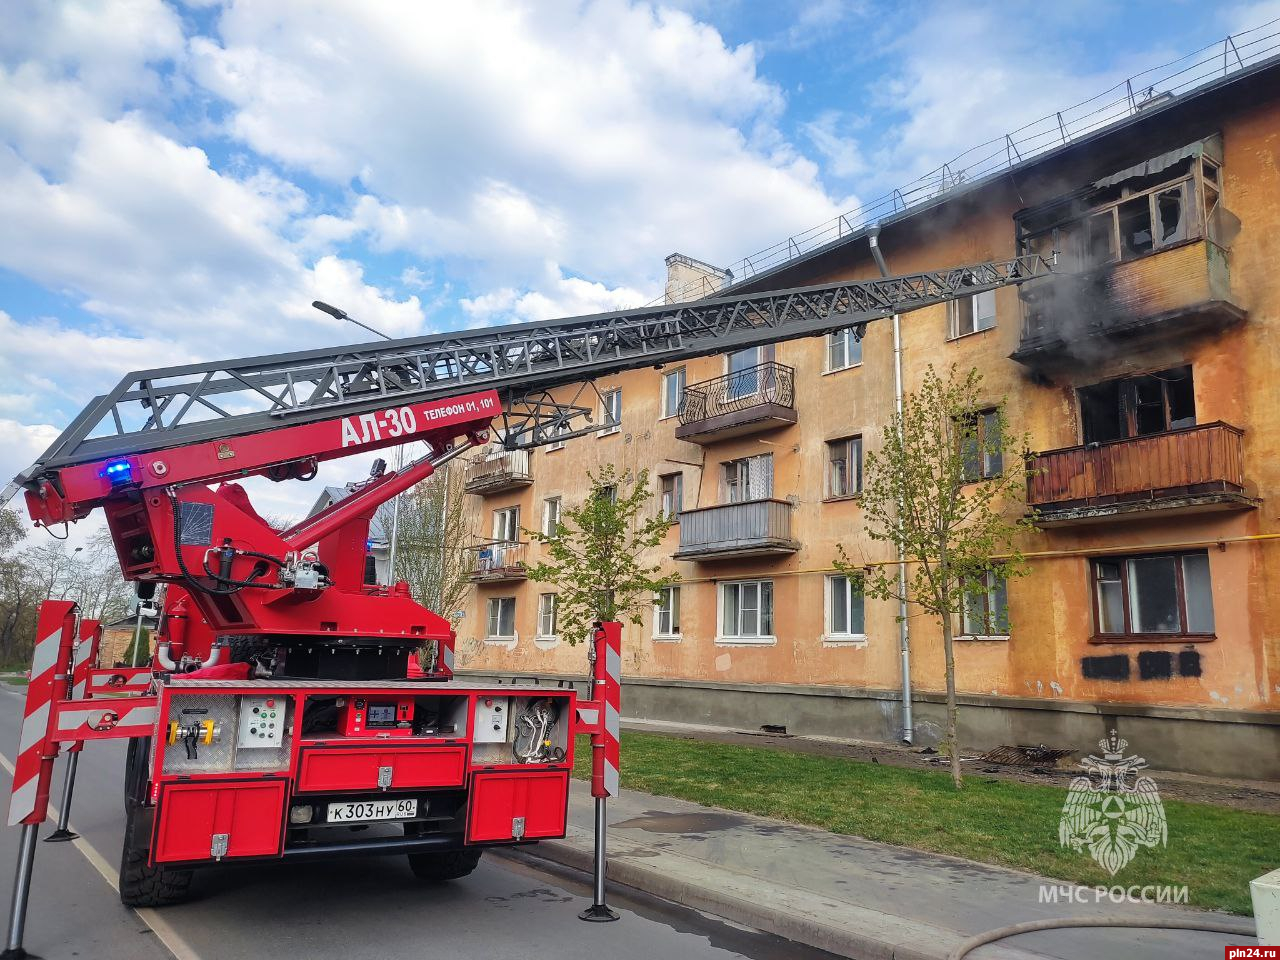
(149, 886)
(439, 867)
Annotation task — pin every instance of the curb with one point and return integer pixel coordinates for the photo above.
(793, 915)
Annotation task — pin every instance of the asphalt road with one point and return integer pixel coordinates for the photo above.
(355, 909)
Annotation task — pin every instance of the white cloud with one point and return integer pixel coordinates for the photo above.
(557, 295)
(601, 136)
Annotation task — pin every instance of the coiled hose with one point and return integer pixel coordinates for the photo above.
(1240, 927)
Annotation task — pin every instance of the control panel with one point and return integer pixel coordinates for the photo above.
(262, 722)
(358, 716)
(492, 715)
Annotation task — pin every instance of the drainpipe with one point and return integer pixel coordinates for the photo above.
(904, 632)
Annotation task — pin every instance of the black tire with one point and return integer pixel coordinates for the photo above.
(439, 867)
(135, 771)
(149, 886)
(244, 649)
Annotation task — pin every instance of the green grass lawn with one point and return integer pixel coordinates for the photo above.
(17, 681)
(1214, 851)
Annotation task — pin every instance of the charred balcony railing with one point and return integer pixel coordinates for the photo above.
(1070, 317)
(1192, 470)
(498, 560)
(730, 530)
(495, 473)
(746, 401)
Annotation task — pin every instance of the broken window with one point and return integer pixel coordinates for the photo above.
(1134, 219)
(1166, 595)
(1171, 213)
(1138, 406)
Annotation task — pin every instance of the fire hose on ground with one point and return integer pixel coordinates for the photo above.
(1240, 927)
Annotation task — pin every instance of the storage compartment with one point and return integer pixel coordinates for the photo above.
(520, 730)
(341, 769)
(517, 806)
(211, 821)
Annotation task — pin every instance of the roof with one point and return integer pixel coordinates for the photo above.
(1161, 125)
(379, 526)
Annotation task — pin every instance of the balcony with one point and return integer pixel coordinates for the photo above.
(1199, 469)
(756, 528)
(1073, 317)
(497, 561)
(747, 401)
(508, 470)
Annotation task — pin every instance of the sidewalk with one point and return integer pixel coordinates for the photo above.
(851, 897)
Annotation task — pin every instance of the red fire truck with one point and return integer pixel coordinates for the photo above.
(278, 713)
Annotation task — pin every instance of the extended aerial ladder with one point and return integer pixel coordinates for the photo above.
(277, 707)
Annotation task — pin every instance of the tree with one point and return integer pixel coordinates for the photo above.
(431, 533)
(593, 555)
(939, 490)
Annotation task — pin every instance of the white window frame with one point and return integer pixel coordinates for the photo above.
(491, 605)
(558, 444)
(853, 468)
(667, 605)
(677, 495)
(609, 400)
(550, 515)
(845, 339)
(501, 524)
(740, 638)
(668, 410)
(833, 636)
(975, 319)
(962, 628)
(552, 610)
(736, 476)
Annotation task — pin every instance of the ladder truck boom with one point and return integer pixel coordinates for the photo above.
(283, 702)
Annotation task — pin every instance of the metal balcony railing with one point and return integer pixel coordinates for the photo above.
(495, 473)
(498, 560)
(750, 528)
(768, 383)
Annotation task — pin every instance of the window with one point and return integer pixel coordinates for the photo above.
(501, 617)
(972, 314)
(506, 525)
(844, 350)
(561, 428)
(1165, 596)
(610, 412)
(746, 610)
(1138, 406)
(672, 500)
(608, 492)
(750, 478)
(550, 516)
(845, 617)
(747, 373)
(548, 607)
(986, 606)
(666, 612)
(672, 392)
(844, 467)
(980, 445)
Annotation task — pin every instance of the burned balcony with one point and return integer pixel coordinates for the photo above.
(497, 561)
(746, 401)
(508, 470)
(1178, 290)
(1193, 470)
(753, 528)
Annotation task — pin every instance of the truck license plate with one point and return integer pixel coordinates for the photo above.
(365, 811)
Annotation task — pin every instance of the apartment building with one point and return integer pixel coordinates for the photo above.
(1145, 370)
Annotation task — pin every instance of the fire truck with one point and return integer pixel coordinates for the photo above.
(282, 714)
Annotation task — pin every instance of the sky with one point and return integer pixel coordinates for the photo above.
(178, 181)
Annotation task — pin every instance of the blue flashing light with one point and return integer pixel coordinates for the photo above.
(118, 472)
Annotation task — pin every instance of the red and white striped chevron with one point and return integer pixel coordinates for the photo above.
(33, 768)
(609, 693)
